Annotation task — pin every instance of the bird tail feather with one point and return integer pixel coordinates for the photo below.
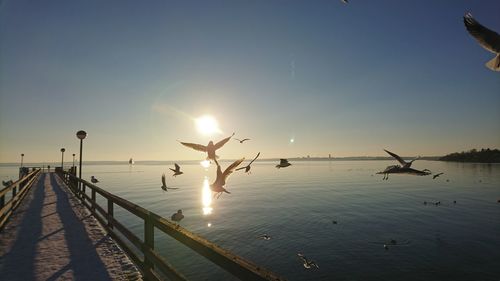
(494, 64)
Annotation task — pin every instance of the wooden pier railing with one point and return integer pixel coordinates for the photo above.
(142, 251)
(18, 190)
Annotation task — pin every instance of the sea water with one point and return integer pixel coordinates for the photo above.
(297, 205)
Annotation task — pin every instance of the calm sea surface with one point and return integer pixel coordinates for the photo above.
(296, 207)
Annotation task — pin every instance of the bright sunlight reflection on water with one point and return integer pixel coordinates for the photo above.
(206, 197)
(205, 164)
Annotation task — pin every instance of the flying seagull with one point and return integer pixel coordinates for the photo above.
(241, 141)
(307, 262)
(436, 175)
(94, 179)
(220, 181)
(210, 148)
(177, 170)
(404, 169)
(400, 160)
(283, 163)
(345, 1)
(488, 39)
(247, 167)
(164, 184)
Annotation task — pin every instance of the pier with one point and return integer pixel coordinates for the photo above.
(52, 227)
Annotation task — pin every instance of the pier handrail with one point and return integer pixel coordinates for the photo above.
(142, 251)
(19, 190)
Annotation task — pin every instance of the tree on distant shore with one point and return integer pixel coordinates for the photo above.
(474, 155)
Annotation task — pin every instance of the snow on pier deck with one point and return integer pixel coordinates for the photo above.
(52, 236)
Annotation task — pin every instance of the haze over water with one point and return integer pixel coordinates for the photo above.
(296, 206)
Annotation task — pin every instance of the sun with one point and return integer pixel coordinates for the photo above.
(207, 125)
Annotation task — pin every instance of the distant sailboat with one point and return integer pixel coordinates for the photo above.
(131, 161)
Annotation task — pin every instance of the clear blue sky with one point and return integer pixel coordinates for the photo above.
(348, 80)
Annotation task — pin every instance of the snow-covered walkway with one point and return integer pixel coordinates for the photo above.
(51, 236)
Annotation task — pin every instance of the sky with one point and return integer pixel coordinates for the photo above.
(345, 80)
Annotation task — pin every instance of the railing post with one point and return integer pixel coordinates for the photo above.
(110, 213)
(149, 241)
(93, 201)
(14, 191)
(2, 201)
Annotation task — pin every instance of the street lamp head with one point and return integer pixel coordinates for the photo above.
(74, 155)
(62, 149)
(81, 134)
(22, 154)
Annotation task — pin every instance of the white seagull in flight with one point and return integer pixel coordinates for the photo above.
(488, 39)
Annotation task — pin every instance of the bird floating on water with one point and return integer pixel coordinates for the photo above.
(131, 161)
(283, 163)
(436, 175)
(177, 216)
(307, 263)
(220, 181)
(94, 179)
(177, 170)
(488, 39)
(241, 141)
(210, 148)
(265, 237)
(247, 167)
(404, 169)
(7, 183)
(164, 184)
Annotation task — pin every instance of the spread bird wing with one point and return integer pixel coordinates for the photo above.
(195, 146)
(163, 181)
(223, 142)
(488, 39)
(177, 167)
(254, 159)
(245, 140)
(242, 168)
(400, 160)
(172, 170)
(417, 172)
(231, 167)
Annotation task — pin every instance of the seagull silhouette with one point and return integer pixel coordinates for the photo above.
(307, 262)
(220, 180)
(488, 39)
(210, 148)
(164, 184)
(436, 175)
(177, 170)
(283, 164)
(94, 179)
(247, 167)
(405, 169)
(241, 141)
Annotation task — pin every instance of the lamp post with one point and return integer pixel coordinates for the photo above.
(22, 156)
(73, 160)
(62, 159)
(81, 135)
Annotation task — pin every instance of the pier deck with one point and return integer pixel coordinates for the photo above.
(52, 236)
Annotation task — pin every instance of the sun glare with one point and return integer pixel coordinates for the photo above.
(206, 198)
(207, 125)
